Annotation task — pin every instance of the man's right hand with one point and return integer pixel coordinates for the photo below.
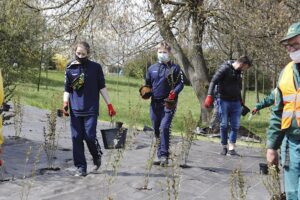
(272, 157)
(208, 101)
(254, 111)
(65, 108)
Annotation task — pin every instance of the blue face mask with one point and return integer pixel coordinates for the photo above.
(163, 57)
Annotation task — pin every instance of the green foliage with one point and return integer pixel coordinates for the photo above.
(60, 61)
(20, 39)
(137, 66)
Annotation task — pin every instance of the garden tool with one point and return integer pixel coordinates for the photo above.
(245, 110)
(60, 113)
(250, 116)
(145, 92)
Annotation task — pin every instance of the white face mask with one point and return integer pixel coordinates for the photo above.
(163, 57)
(295, 56)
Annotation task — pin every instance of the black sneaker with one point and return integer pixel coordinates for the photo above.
(224, 151)
(156, 162)
(233, 153)
(163, 161)
(80, 172)
(97, 164)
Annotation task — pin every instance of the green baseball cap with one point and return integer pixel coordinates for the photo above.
(293, 31)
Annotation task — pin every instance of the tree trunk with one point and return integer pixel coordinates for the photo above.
(193, 64)
(256, 84)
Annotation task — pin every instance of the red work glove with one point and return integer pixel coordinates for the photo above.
(208, 101)
(254, 111)
(111, 110)
(172, 95)
(65, 108)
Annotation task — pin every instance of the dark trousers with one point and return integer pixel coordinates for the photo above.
(161, 118)
(84, 128)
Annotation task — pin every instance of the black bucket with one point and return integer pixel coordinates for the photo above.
(114, 138)
(263, 168)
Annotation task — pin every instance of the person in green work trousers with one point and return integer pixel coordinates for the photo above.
(284, 126)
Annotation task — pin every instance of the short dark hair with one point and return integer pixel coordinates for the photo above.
(245, 60)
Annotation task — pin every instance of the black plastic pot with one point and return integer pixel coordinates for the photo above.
(119, 125)
(59, 113)
(263, 168)
(114, 138)
(5, 107)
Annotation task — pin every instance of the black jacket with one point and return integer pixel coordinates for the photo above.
(229, 82)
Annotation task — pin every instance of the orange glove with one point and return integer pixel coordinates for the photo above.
(172, 95)
(208, 101)
(65, 108)
(111, 110)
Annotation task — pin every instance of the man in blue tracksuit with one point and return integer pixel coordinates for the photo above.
(84, 80)
(166, 82)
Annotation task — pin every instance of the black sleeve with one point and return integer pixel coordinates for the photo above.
(220, 73)
(101, 80)
(148, 79)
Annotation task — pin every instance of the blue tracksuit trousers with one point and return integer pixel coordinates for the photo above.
(161, 118)
(84, 128)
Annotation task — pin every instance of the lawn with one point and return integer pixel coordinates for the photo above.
(131, 109)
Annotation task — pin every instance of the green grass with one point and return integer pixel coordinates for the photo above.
(131, 109)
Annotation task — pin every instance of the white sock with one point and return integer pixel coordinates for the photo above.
(231, 146)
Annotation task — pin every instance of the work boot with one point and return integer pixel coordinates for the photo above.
(233, 153)
(224, 151)
(156, 162)
(97, 164)
(163, 161)
(80, 172)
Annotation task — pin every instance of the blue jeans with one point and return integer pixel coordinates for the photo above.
(292, 169)
(161, 118)
(230, 111)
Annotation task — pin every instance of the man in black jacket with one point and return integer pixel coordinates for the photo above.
(229, 80)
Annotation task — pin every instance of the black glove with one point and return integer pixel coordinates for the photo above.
(145, 92)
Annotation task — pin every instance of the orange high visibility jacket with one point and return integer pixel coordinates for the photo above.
(291, 97)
